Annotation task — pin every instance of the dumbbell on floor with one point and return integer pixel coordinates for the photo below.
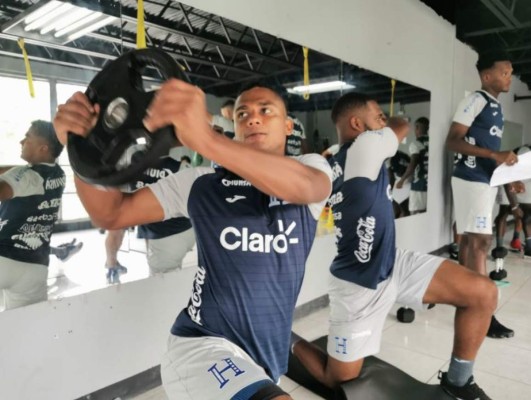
(498, 254)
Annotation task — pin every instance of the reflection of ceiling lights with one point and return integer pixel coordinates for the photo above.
(321, 87)
(61, 21)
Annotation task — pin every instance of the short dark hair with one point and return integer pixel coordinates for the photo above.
(425, 123)
(45, 130)
(228, 103)
(487, 59)
(280, 91)
(349, 101)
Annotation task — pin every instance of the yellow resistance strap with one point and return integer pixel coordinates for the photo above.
(392, 105)
(28, 67)
(140, 29)
(306, 72)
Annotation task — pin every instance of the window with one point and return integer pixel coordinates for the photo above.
(14, 102)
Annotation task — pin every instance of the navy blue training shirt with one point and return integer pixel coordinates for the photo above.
(252, 250)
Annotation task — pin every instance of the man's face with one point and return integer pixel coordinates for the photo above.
(372, 117)
(32, 146)
(500, 76)
(260, 120)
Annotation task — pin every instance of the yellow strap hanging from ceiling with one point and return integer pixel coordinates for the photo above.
(28, 67)
(306, 72)
(140, 28)
(392, 105)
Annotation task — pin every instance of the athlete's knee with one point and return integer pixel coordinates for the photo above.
(338, 374)
(270, 392)
(482, 293)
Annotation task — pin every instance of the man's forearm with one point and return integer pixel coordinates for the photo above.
(275, 175)
(462, 147)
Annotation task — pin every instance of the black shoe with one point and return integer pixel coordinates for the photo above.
(470, 391)
(72, 243)
(70, 250)
(498, 331)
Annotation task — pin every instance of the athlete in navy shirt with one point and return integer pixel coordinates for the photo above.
(369, 274)
(30, 197)
(254, 220)
(475, 135)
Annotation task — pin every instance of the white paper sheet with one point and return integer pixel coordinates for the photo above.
(520, 171)
(399, 195)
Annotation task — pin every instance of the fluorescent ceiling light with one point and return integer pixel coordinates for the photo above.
(321, 87)
(90, 28)
(48, 17)
(79, 23)
(53, 20)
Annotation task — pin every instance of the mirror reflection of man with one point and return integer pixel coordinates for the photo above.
(30, 198)
(296, 143)
(475, 135)
(225, 122)
(418, 168)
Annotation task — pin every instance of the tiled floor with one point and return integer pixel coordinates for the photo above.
(503, 368)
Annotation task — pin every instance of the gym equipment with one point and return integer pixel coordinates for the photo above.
(378, 380)
(405, 315)
(118, 89)
(498, 254)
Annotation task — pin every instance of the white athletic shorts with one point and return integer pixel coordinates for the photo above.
(473, 203)
(357, 314)
(207, 368)
(418, 200)
(22, 283)
(166, 254)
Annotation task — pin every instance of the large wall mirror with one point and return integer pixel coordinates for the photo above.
(219, 55)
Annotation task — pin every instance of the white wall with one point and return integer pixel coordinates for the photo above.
(62, 350)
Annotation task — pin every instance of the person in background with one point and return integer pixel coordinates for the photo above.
(369, 274)
(296, 143)
(475, 135)
(418, 168)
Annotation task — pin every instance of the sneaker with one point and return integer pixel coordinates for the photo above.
(527, 252)
(114, 273)
(68, 250)
(470, 391)
(72, 243)
(498, 331)
(516, 244)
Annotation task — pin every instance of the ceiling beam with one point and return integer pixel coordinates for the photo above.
(490, 31)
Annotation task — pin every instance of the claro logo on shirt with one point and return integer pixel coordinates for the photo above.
(232, 238)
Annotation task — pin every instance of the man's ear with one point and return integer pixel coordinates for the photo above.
(289, 126)
(45, 149)
(355, 123)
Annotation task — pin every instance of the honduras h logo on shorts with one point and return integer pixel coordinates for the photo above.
(481, 222)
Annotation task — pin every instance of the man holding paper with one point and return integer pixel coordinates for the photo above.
(475, 135)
